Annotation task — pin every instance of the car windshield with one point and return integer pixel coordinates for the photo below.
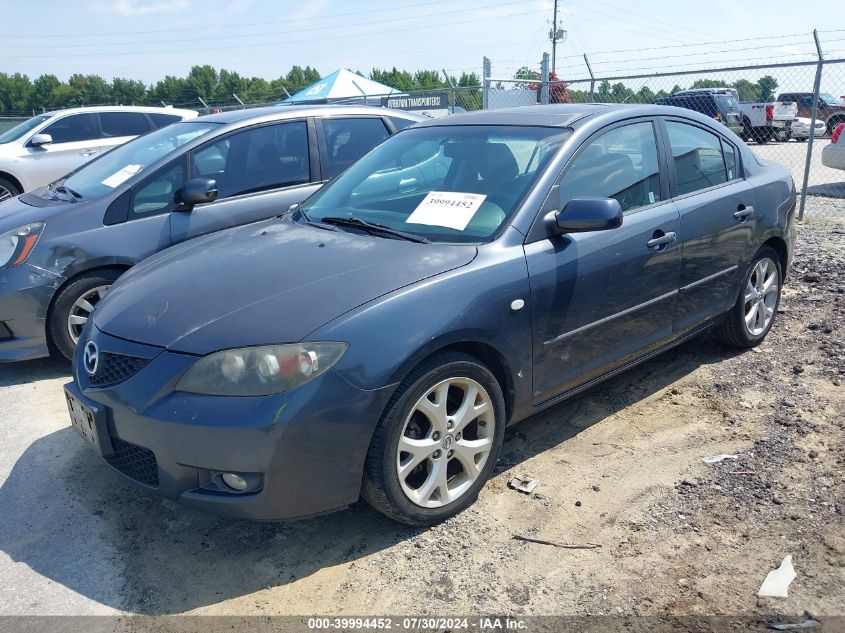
(22, 128)
(445, 183)
(102, 175)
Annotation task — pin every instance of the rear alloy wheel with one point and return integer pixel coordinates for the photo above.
(8, 190)
(73, 306)
(437, 442)
(751, 318)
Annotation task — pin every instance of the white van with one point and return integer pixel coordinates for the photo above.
(51, 145)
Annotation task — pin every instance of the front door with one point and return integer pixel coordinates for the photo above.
(716, 207)
(601, 299)
(76, 140)
(260, 172)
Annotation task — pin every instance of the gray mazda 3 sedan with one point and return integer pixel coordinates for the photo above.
(376, 340)
(62, 246)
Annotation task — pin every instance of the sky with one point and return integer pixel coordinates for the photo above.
(148, 39)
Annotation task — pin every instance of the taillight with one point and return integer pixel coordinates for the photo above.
(770, 112)
(837, 133)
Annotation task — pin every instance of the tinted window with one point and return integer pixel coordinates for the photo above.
(158, 193)
(699, 162)
(730, 160)
(349, 139)
(76, 127)
(400, 123)
(620, 164)
(448, 184)
(257, 159)
(161, 120)
(116, 124)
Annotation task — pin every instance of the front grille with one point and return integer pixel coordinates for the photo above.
(136, 462)
(115, 368)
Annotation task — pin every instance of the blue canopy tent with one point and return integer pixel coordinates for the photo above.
(343, 86)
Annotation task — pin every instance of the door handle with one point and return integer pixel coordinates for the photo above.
(88, 152)
(661, 239)
(743, 213)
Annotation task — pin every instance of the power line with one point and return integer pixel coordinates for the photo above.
(262, 44)
(276, 34)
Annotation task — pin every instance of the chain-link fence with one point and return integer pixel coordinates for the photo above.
(8, 122)
(787, 113)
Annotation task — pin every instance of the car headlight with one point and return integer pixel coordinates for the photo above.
(260, 371)
(17, 244)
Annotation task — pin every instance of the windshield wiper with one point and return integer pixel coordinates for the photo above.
(374, 227)
(73, 195)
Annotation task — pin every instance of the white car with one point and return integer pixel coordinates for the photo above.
(801, 128)
(833, 155)
(48, 146)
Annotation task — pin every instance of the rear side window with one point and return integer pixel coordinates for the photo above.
(74, 128)
(698, 157)
(116, 124)
(349, 139)
(620, 164)
(162, 120)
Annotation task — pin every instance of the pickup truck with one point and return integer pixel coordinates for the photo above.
(831, 110)
(761, 122)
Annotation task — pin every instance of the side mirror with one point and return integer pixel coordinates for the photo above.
(588, 214)
(40, 140)
(196, 191)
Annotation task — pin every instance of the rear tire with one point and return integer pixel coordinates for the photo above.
(752, 316)
(8, 189)
(451, 451)
(71, 307)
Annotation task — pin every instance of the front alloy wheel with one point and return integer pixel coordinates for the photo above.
(445, 442)
(82, 309)
(437, 441)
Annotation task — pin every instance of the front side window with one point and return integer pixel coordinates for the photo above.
(101, 176)
(698, 157)
(620, 164)
(256, 159)
(445, 183)
(349, 139)
(158, 193)
(73, 128)
(116, 124)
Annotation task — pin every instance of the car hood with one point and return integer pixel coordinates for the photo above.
(15, 212)
(271, 282)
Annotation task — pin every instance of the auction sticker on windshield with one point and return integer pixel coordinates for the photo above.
(446, 208)
(124, 174)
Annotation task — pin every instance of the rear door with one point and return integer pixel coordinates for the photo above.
(260, 171)
(120, 127)
(716, 207)
(601, 299)
(76, 140)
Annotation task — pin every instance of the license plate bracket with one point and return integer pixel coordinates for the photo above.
(89, 421)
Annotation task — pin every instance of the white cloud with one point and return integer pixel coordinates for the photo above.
(144, 7)
(789, 49)
(309, 10)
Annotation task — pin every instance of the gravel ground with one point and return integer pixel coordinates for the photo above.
(619, 466)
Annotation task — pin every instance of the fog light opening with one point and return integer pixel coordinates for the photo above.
(234, 481)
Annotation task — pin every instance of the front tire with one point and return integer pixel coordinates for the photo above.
(753, 314)
(8, 190)
(73, 306)
(437, 442)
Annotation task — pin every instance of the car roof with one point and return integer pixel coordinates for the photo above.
(120, 108)
(296, 111)
(553, 115)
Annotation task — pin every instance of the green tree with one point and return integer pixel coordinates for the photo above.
(603, 95)
(128, 91)
(202, 81)
(44, 92)
(644, 95)
(768, 86)
(395, 78)
(709, 83)
(15, 93)
(747, 90)
(428, 80)
(170, 90)
(229, 83)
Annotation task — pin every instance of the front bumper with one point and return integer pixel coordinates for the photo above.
(309, 444)
(25, 296)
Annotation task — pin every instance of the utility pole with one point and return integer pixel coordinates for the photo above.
(555, 35)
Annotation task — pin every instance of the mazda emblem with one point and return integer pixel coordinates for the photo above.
(91, 357)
